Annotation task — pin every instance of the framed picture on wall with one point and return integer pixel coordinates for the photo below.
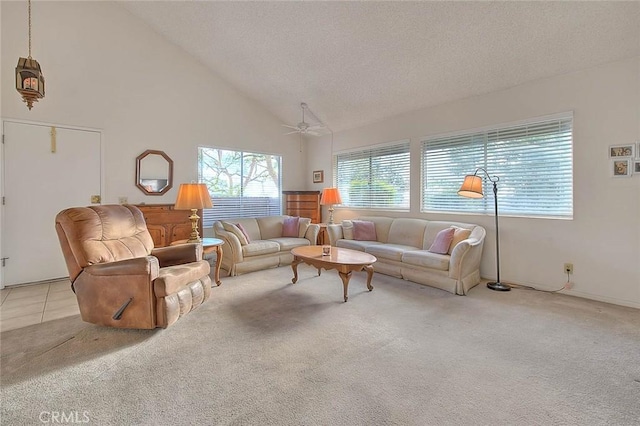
(638, 150)
(636, 167)
(621, 167)
(318, 176)
(617, 151)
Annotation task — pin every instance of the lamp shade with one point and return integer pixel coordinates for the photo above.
(193, 196)
(471, 187)
(330, 196)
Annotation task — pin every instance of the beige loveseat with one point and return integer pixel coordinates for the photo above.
(265, 247)
(401, 247)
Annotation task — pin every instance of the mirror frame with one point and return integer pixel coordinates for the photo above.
(142, 156)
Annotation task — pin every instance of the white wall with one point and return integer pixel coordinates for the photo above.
(107, 70)
(603, 239)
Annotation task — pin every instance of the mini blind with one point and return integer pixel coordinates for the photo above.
(534, 162)
(375, 177)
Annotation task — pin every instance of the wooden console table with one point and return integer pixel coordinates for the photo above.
(166, 224)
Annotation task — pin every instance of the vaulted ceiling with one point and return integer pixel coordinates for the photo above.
(358, 62)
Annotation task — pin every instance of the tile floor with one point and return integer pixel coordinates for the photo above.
(32, 304)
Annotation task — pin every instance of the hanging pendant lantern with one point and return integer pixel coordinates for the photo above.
(29, 77)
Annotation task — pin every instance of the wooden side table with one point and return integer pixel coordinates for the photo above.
(209, 245)
(323, 237)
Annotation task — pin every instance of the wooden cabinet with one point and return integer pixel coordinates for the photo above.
(303, 204)
(165, 224)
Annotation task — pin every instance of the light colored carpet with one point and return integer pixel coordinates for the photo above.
(262, 351)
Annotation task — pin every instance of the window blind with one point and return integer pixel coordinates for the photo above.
(534, 162)
(374, 178)
(242, 184)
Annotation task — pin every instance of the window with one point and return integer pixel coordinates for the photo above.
(242, 184)
(374, 178)
(534, 162)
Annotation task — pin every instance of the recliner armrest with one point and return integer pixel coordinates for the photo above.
(137, 266)
(178, 254)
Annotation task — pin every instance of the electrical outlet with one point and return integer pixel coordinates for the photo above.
(568, 268)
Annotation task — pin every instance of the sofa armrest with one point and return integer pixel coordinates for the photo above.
(312, 233)
(335, 233)
(178, 254)
(232, 247)
(465, 258)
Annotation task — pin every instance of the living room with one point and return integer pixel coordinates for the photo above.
(107, 69)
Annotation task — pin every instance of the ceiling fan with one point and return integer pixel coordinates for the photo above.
(303, 127)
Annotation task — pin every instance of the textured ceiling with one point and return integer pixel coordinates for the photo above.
(358, 62)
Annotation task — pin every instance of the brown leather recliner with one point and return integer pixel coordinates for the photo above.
(119, 278)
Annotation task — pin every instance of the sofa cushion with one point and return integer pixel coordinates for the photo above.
(407, 231)
(347, 229)
(426, 259)
(389, 251)
(270, 226)
(356, 245)
(259, 247)
(233, 228)
(290, 226)
(443, 241)
(250, 226)
(288, 243)
(459, 234)
(364, 230)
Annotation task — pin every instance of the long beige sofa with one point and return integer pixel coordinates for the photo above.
(266, 247)
(401, 247)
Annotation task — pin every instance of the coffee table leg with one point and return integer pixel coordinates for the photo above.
(345, 283)
(369, 269)
(216, 273)
(294, 266)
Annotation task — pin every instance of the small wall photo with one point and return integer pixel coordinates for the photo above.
(619, 151)
(620, 168)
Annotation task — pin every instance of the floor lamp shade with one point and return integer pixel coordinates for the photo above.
(193, 196)
(472, 188)
(330, 196)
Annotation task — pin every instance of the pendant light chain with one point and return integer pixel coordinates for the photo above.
(29, 29)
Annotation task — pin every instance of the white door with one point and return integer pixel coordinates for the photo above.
(43, 175)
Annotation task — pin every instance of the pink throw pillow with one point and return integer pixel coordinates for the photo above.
(443, 240)
(290, 227)
(244, 232)
(364, 230)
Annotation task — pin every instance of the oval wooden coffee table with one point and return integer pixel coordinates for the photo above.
(345, 261)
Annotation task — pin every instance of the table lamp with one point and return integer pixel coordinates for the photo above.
(193, 196)
(330, 196)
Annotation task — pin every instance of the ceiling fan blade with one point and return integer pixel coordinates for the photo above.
(312, 133)
(315, 127)
(291, 127)
(290, 133)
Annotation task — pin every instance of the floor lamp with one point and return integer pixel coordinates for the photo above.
(472, 188)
